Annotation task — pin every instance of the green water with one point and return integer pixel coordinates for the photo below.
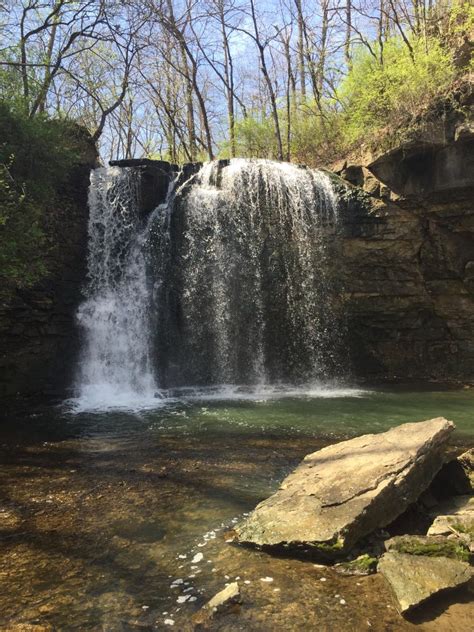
(101, 512)
(356, 412)
(369, 412)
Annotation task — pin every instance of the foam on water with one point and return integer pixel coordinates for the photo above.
(102, 398)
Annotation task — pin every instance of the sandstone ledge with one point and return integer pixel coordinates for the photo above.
(341, 493)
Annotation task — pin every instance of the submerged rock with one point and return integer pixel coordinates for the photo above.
(222, 602)
(415, 578)
(343, 492)
(227, 597)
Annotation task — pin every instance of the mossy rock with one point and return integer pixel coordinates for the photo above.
(362, 565)
(429, 546)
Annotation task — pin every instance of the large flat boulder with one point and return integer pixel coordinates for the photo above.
(416, 578)
(341, 493)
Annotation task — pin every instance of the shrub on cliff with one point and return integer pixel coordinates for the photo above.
(22, 240)
(35, 156)
(375, 95)
(387, 89)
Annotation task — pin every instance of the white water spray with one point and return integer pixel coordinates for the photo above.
(229, 282)
(116, 361)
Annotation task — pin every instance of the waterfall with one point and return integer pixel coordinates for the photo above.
(116, 361)
(232, 281)
(252, 277)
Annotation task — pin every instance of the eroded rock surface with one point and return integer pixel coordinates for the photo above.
(466, 461)
(407, 257)
(455, 518)
(343, 492)
(415, 578)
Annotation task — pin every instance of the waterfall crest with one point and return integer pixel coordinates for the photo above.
(231, 281)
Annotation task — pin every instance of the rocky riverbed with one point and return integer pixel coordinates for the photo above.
(341, 494)
(124, 522)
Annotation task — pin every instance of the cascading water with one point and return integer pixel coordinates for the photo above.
(116, 363)
(251, 281)
(232, 281)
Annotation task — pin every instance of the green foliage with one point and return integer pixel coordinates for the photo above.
(460, 29)
(378, 101)
(255, 136)
(11, 88)
(35, 156)
(376, 94)
(313, 135)
(363, 565)
(317, 136)
(22, 240)
(460, 20)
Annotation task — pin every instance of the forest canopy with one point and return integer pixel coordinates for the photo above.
(187, 80)
(195, 79)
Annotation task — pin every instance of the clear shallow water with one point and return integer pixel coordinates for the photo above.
(315, 410)
(101, 512)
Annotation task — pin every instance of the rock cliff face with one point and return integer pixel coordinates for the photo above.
(38, 336)
(408, 255)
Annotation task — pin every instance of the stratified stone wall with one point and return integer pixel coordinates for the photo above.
(408, 256)
(38, 335)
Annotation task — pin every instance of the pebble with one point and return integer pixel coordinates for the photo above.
(176, 582)
(197, 558)
(266, 579)
(342, 602)
(322, 579)
(168, 622)
(246, 581)
(182, 598)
